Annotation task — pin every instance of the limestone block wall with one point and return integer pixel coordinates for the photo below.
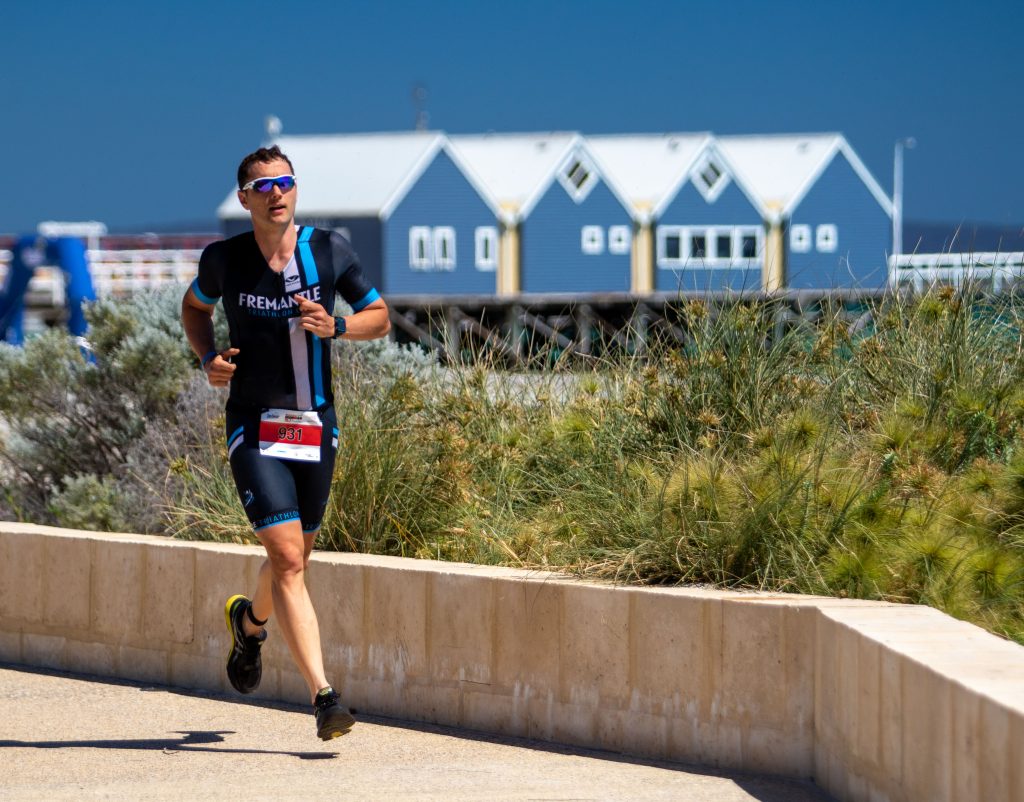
(874, 701)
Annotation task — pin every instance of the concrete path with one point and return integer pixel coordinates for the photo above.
(68, 737)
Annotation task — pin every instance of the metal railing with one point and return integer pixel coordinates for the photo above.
(120, 274)
(116, 274)
(996, 272)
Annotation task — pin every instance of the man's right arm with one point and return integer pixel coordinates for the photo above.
(197, 320)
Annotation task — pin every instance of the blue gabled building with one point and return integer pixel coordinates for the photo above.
(698, 227)
(565, 228)
(416, 220)
(560, 213)
(834, 220)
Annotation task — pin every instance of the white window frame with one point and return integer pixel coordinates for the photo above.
(421, 235)
(489, 235)
(620, 239)
(826, 238)
(592, 240)
(444, 235)
(739, 232)
(713, 233)
(698, 231)
(711, 193)
(711, 261)
(800, 238)
(577, 193)
(663, 259)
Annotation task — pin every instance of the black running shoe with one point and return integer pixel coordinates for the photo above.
(332, 717)
(245, 668)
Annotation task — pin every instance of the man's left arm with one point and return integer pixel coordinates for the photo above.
(369, 323)
(370, 318)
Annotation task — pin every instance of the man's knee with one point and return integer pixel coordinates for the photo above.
(286, 562)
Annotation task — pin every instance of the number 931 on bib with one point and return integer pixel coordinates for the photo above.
(291, 434)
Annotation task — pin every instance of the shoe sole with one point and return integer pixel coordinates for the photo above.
(231, 629)
(337, 729)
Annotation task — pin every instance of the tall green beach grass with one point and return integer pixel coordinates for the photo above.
(878, 461)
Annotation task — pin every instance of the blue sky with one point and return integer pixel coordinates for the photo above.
(136, 114)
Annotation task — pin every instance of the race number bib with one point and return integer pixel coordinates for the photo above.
(291, 434)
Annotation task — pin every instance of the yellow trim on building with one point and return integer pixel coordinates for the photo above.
(641, 255)
(508, 277)
(643, 259)
(773, 276)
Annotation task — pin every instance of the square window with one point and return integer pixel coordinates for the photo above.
(673, 247)
(444, 248)
(592, 240)
(800, 238)
(486, 247)
(723, 246)
(619, 239)
(748, 246)
(671, 244)
(827, 238)
(421, 252)
(698, 246)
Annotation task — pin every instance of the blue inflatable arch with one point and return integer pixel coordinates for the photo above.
(30, 252)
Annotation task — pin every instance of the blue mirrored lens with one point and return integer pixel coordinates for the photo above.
(284, 183)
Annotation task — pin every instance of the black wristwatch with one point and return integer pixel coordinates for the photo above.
(339, 327)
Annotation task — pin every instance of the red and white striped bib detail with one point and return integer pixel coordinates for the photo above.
(291, 434)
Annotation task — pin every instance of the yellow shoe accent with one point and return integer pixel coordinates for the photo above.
(227, 620)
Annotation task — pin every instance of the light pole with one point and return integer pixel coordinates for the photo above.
(897, 192)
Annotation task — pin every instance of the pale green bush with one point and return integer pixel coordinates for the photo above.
(75, 418)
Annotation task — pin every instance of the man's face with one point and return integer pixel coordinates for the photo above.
(269, 207)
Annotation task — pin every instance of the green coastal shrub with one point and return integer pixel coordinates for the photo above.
(74, 419)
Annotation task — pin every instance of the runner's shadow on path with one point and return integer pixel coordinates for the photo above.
(193, 741)
(761, 787)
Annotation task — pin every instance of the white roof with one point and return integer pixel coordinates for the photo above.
(648, 169)
(780, 169)
(367, 175)
(351, 175)
(513, 169)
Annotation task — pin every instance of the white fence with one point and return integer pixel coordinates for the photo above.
(122, 273)
(116, 274)
(994, 271)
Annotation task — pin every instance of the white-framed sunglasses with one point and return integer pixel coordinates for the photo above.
(283, 182)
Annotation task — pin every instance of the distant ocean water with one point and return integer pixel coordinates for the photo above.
(919, 237)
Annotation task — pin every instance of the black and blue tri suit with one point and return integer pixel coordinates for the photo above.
(280, 364)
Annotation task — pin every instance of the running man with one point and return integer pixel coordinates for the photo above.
(278, 284)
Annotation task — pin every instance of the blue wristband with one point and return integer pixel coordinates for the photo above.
(208, 357)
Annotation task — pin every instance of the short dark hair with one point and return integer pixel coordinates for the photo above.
(261, 156)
